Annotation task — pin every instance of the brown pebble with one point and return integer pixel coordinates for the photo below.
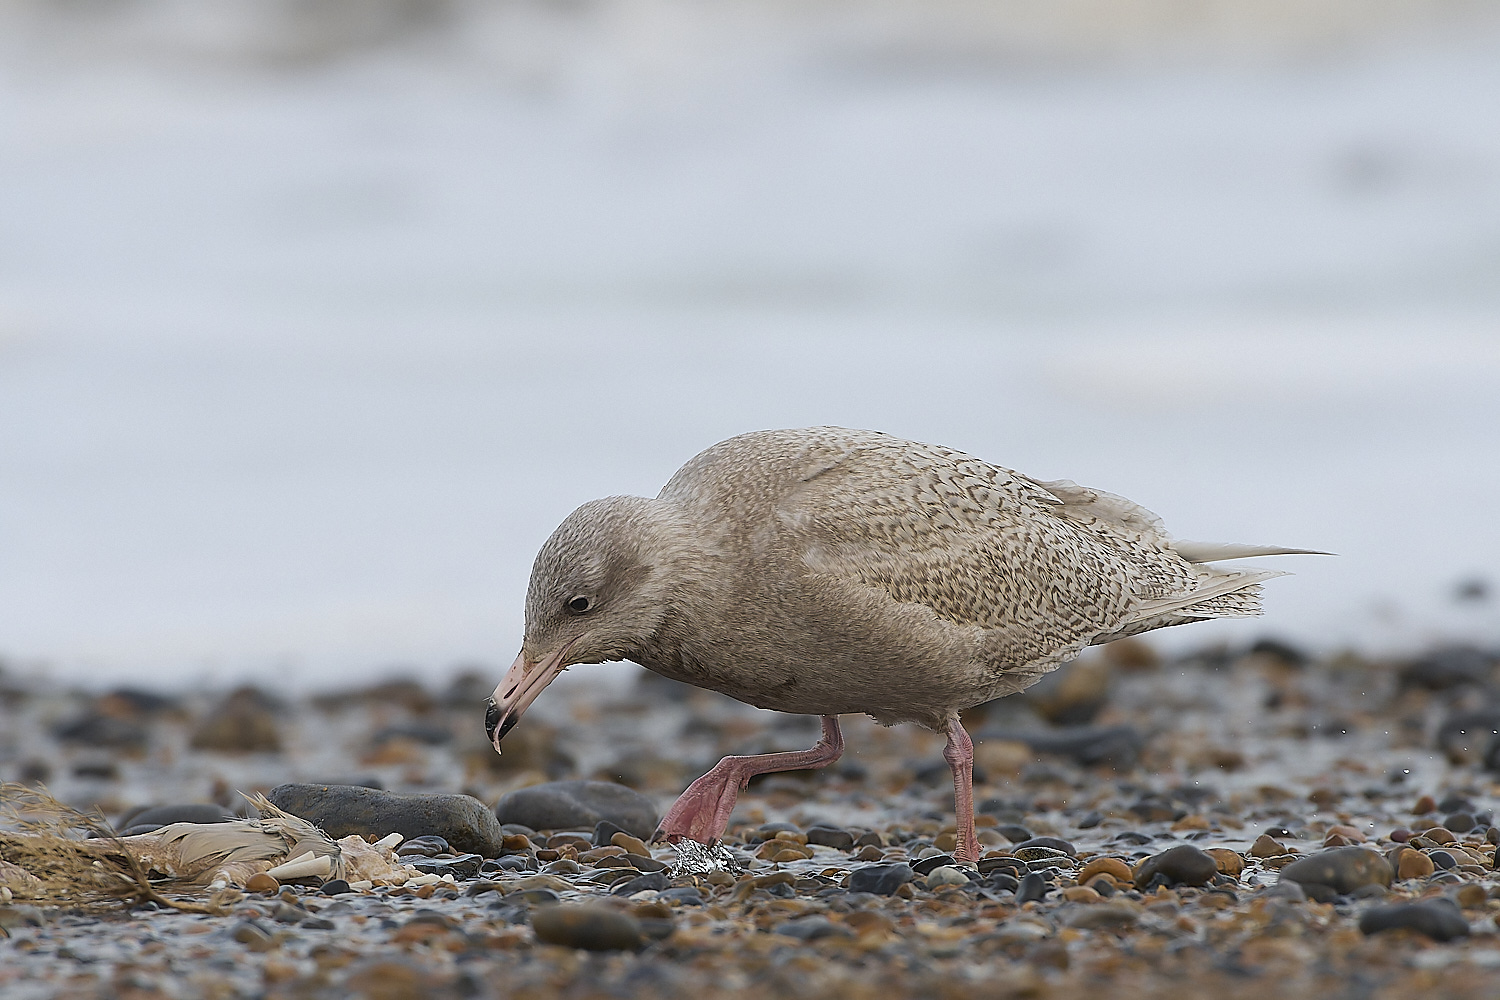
(946, 842)
(1425, 804)
(788, 856)
(869, 853)
(1081, 894)
(1265, 847)
(1191, 822)
(591, 926)
(1113, 867)
(1348, 832)
(1414, 864)
(870, 924)
(253, 937)
(600, 853)
(261, 882)
(1441, 835)
(1471, 896)
(1401, 835)
(632, 845)
(1229, 862)
(516, 842)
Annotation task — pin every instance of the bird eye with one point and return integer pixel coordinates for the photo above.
(580, 604)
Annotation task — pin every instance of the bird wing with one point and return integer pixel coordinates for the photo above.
(1044, 568)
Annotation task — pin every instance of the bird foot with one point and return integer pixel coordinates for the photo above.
(701, 813)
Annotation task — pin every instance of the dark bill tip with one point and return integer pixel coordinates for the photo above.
(491, 719)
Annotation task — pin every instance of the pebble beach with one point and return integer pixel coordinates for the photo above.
(1230, 821)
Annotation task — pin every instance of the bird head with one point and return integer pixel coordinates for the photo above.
(599, 590)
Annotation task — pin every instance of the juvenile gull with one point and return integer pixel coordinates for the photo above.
(825, 571)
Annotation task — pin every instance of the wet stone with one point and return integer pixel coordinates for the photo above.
(830, 836)
(931, 862)
(253, 936)
(465, 866)
(1342, 869)
(604, 832)
(1184, 865)
(1443, 669)
(656, 881)
(592, 927)
(1011, 832)
(1002, 880)
(427, 847)
(811, 928)
(1015, 866)
(335, 887)
(261, 882)
(342, 810)
(244, 722)
(568, 805)
(1051, 843)
(1031, 887)
(882, 880)
(686, 895)
(1130, 838)
(509, 863)
(1104, 916)
(945, 875)
(1438, 919)
(1085, 745)
(188, 812)
(104, 731)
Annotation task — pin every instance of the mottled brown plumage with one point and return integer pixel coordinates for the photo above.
(828, 571)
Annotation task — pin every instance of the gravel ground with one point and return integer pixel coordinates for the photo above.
(1147, 827)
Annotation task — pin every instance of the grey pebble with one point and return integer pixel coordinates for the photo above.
(932, 861)
(1032, 887)
(342, 810)
(1183, 865)
(464, 866)
(1101, 916)
(652, 880)
(830, 836)
(189, 812)
(946, 875)
(1342, 870)
(812, 928)
(589, 926)
(427, 847)
(559, 805)
(1438, 919)
(882, 880)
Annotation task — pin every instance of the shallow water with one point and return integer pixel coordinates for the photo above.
(299, 366)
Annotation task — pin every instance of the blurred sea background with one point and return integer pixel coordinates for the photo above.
(316, 316)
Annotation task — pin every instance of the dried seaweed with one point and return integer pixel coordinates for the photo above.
(78, 857)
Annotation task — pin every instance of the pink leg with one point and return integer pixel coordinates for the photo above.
(959, 753)
(702, 812)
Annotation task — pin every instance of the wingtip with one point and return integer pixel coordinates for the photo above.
(1204, 552)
